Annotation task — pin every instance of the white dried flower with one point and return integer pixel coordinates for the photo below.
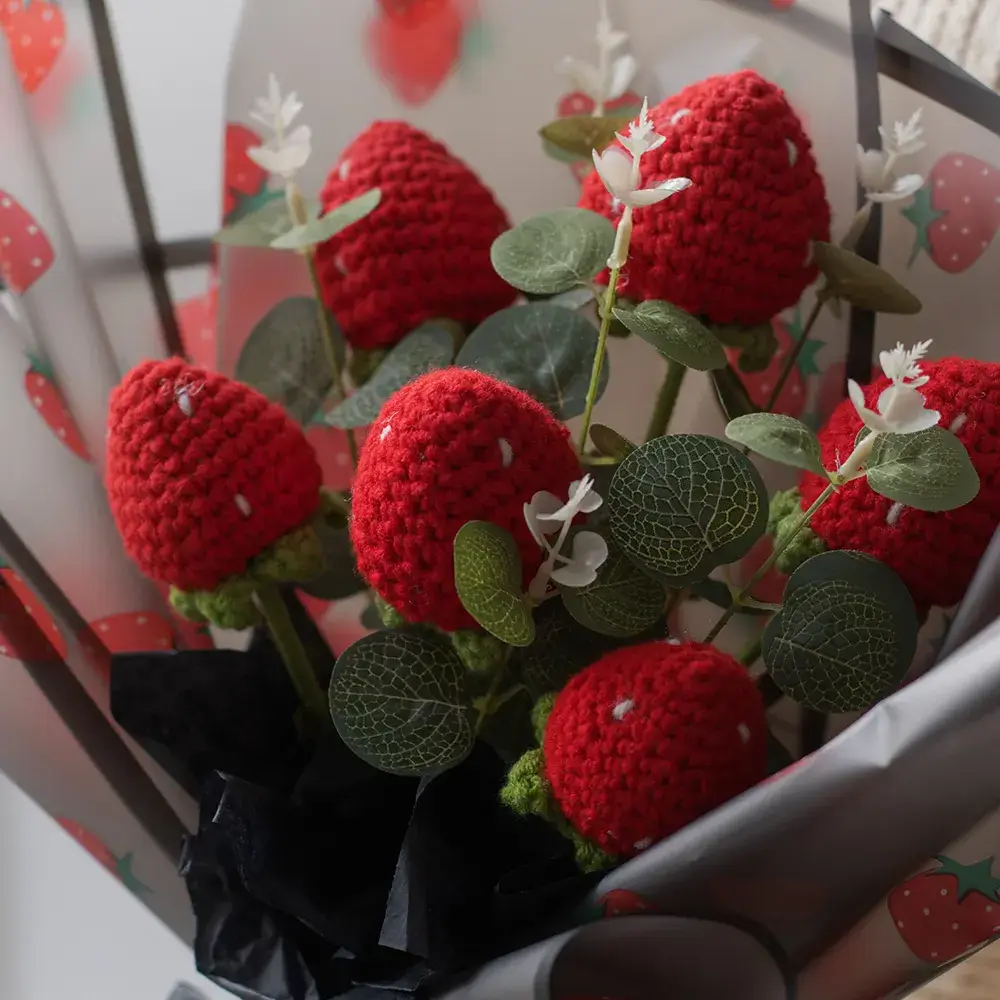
(610, 78)
(284, 153)
(590, 553)
(877, 171)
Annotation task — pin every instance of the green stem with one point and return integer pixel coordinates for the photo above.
(738, 599)
(793, 357)
(289, 645)
(752, 651)
(602, 346)
(667, 400)
(486, 704)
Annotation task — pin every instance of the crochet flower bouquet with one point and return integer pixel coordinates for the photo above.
(529, 712)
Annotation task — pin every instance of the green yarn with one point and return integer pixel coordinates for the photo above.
(293, 558)
(589, 857)
(526, 791)
(230, 605)
(480, 652)
(786, 508)
(391, 618)
(540, 715)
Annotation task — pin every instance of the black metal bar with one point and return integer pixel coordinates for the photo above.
(153, 258)
(179, 254)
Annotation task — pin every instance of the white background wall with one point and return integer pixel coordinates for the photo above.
(68, 930)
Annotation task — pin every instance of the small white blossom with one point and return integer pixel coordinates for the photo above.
(610, 78)
(582, 500)
(877, 171)
(284, 153)
(590, 553)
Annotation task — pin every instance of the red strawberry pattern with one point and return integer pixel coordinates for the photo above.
(782, 4)
(25, 251)
(957, 212)
(947, 911)
(243, 180)
(120, 867)
(624, 903)
(48, 400)
(414, 45)
(36, 34)
(20, 637)
(145, 632)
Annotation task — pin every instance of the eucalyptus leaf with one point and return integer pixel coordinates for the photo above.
(429, 347)
(779, 438)
(580, 134)
(731, 393)
(488, 580)
(285, 357)
(340, 578)
(575, 299)
(335, 221)
(399, 701)
(676, 334)
(261, 228)
(554, 252)
(622, 602)
(845, 636)
(684, 504)
(863, 283)
(929, 470)
(609, 442)
(543, 349)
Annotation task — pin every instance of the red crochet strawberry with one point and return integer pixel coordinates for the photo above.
(27, 630)
(947, 911)
(242, 178)
(47, 399)
(935, 554)
(451, 447)
(957, 212)
(145, 632)
(736, 246)
(435, 225)
(120, 867)
(36, 34)
(203, 473)
(25, 251)
(642, 743)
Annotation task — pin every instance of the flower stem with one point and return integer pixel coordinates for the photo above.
(793, 357)
(667, 400)
(293, 653)
(602, 347)
(738, 599)
(750, 653)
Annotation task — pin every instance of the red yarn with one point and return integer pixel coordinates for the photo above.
(451, 447)
(735, 247)
(203, 473)
(651, 737)
(424, 253)
(934, 554)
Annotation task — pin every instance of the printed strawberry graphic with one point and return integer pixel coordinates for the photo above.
(947, 911)
(48, 400)
(242, 178)
(145, 632)
(25, 251)
(957, 212)
(36, 34)
(624, 903)
(17, 639)
(120, 867)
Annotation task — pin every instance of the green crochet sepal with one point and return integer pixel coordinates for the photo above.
(527, 792)
(786, 508)
(389, 616)
(481, 653)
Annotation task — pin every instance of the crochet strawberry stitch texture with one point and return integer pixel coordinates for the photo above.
(651, 737)
(735, 247)
(424, 253)
(451, 447)
(935, 554)
(203, 473)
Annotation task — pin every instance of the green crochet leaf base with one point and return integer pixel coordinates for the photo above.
(786, 508)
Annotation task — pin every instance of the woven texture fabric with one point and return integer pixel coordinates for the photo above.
(651, 737)
(203, 473)
(735, 247)
(424, 253)
(935, 554)
(451, 447)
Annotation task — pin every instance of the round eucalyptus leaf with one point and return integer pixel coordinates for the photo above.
(285, 357)
(863, 283)
(554, 252)
(845, 636)
(731, 393)
(335, 221)
(399, 701)
(429, 347)
(488, 580)
(622, 602)
(929, 470)
(581, 134)
(340, 578)
(610, 443)
(543, 349)
(779, 438)
(684, 504)
(676, 334)
(261, 227)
